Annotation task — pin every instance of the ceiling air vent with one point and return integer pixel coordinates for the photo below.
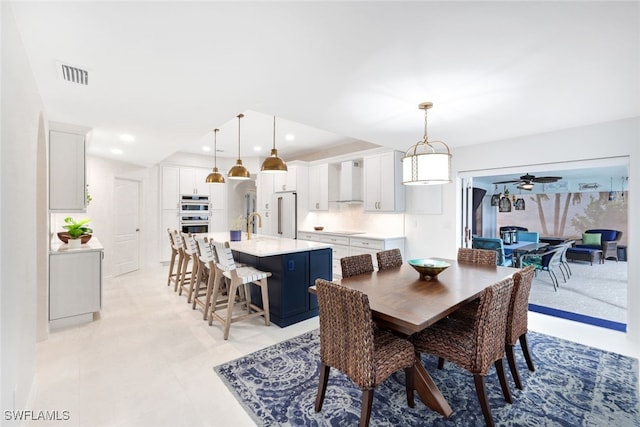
(73, 74)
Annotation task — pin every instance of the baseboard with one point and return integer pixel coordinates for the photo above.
(609, 324)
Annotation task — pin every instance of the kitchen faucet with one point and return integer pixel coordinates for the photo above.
(249, 217)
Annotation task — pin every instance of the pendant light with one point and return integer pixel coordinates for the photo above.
(495, 199)
(215, 177)
(273, 163)
(238, 171)
(426, 163)
(505, 204)
(612, 194)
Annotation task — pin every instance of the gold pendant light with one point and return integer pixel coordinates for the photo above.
(423, 163)
(215, 177)
(273, 163)
(238, 171)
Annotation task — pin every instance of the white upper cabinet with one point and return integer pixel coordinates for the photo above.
(383, 189)
(218, 196)
(286, 181)
(67, 182)
(193, 181)
(319, 187)
(265, 190)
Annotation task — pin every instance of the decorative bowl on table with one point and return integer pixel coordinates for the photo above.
(428, 267)
(318, 228)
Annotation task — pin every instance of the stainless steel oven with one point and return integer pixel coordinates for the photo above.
(194, 204)
(194, 223)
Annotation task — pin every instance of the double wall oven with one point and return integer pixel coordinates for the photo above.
(194, 213)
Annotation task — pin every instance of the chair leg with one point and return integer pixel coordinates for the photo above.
(512, 366)
(440, 362)
(322, 385)
(265, 301)
(409, 374)
(172, 263)
(482, 398)
(525, 351)
(230, 304)
(367, 403)
(217, 286)
(503, 380)
(554, 280)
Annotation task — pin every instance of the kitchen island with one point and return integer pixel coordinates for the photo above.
(294, 266)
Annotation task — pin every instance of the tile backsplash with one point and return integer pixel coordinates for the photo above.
(353, 217)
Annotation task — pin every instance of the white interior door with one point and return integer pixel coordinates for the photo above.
(127, 226)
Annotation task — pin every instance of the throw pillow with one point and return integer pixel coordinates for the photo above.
(592, 239)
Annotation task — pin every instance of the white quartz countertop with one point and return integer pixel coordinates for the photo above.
(349, 233)
(58, 247)
(264, 246)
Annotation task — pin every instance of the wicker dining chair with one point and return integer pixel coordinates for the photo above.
(517, 320)
(466, 255)
(350, 343)
(474, 343)
(356, 264)
(390, 258)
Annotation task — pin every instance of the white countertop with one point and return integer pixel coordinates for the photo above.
(264, 246)
(58, 247)
(348, 233)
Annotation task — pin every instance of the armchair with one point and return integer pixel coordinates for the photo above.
(608, 242)
(495, 244)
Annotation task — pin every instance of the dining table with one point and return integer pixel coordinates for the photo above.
(401, 301)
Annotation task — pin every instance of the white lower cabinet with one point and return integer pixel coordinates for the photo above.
(344, 246)
(75, 286)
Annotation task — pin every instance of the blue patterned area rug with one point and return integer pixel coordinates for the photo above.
(573, 385)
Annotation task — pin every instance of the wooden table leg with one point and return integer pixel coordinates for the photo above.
(428, 391)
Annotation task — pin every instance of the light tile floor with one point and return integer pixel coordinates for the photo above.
(148, 360)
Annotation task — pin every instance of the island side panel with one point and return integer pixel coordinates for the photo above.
(291, 276)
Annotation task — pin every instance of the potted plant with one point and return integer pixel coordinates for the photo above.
(235, 232)
(78, 232)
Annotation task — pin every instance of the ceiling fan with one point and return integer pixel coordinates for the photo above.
(526, 181)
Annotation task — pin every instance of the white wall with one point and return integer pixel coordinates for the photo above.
(440, 234)
(21, 110)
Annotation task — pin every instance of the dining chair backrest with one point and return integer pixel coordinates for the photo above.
(346, 332)
(466, 255)
(356, 264)
(528, 236)
(206, 251)
(178, 242)
(517, 320)
(495, 244)
(170, 237)
(390, 258)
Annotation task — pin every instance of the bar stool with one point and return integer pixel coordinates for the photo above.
(177, 246)
(239, 280)
(190, 260)
(172, 261)
(203, 289)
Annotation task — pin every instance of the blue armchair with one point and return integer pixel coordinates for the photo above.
(495, 244)
(608, 242)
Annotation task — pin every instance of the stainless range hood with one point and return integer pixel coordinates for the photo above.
(350, 182)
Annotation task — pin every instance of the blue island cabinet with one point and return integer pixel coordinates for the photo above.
(291, 275)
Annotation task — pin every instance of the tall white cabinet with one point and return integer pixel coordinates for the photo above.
(383, 189)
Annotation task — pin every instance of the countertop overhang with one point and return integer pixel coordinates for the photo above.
(264, 246)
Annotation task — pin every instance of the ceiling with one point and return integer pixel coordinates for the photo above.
(336, 74)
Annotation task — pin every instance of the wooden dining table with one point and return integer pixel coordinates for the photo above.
(400, 301)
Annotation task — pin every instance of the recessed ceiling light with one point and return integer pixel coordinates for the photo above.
(257, 148)
(116, 151)
(206, 148)
(289, 137)
(127, 138)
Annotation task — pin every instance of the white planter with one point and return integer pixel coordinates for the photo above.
(75, 243)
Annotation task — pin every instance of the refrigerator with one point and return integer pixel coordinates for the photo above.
(286, 205)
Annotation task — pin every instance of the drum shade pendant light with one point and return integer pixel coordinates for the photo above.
(426, 162)
(273, 163)
(215, 177)
(238, 171)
